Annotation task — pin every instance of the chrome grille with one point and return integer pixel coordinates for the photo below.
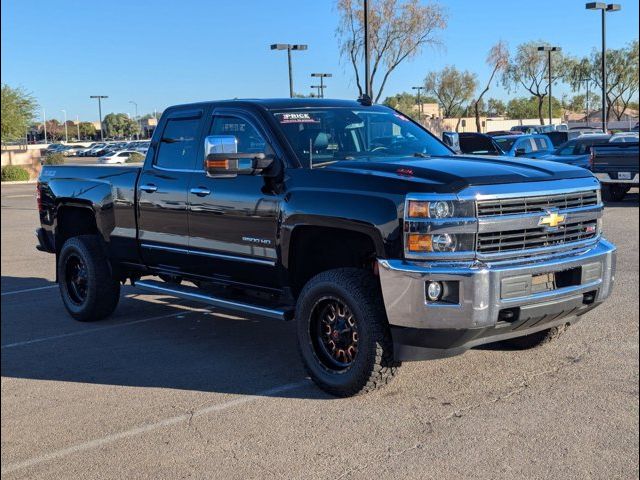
(537, 204)
(532, 238)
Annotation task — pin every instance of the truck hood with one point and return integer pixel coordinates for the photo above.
(459, 171)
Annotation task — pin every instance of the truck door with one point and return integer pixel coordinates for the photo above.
(163, 223)
(233, 220)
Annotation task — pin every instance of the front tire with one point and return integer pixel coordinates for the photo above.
(614, 193)
(88, 289)
(343, 334)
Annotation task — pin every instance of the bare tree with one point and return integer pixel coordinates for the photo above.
(498, 60)
(398, 30)
(528, 69)
(453, 89)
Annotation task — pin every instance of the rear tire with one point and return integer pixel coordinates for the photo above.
(614, 193)
(88, 289)
(343, 333)
(535, 340)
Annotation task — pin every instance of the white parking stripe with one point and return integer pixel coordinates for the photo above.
(29, 290)
(99, 442)
(98, 329)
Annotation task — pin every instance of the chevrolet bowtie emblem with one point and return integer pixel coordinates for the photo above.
(552, 220)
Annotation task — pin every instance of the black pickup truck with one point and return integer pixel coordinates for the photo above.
(350, 218)
(616, 165)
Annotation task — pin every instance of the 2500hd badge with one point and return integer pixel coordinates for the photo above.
(371, 236)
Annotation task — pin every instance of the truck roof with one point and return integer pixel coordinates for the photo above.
(279, 103)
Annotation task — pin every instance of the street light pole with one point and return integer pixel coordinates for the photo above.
(419, 89)
(137, 119)
(549, 50)
(66, 133)
(78, 125)
(612, 7)
(44, 124)
(100, 97)
(288, 47)
(322, 86)
(367, 80)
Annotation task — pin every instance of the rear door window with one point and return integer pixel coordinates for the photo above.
(179, 144)
(541, 143)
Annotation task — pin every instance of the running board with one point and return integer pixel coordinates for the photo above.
(192, 293)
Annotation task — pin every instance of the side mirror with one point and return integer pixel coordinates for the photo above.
(222, 160)
(520, 152)
(452, 139)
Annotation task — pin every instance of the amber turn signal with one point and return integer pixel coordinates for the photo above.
(218, 164)
(420, 243)
(418, 209)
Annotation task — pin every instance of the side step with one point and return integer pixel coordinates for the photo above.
(192, 293)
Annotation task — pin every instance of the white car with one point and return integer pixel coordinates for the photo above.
(120, 156)
(624, 137)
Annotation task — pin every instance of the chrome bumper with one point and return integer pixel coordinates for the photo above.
(606, 178)
(482, 291)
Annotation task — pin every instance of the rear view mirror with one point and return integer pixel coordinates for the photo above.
(222, 159)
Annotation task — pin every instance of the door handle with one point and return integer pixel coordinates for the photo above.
(200, 191)
(149, 188)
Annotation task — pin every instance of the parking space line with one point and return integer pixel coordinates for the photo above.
(15, 292)
(99, 329)
(167, 422)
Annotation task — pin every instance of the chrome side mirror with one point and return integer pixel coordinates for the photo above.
(221, 158)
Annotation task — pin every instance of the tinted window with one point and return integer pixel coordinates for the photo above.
(524, 144)
(179, 146)
(541, 144)
(248, 139)
(585, 145)
(567, 148)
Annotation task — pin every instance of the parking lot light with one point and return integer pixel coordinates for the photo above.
(604, 8)
(100, 97)
(288, 47)
(549, 49)
(322, 86)
(66, 133)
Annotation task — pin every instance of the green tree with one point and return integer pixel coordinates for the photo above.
(18, 110)
(523, 107)
(452, 88)
(119, 125)
(398, 31)
(496, 107)
(498, 61)
(87, 130)
(528, 69)
(407, 103)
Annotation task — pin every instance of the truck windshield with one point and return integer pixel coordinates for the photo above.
(327, 135)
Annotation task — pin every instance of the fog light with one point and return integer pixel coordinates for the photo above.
(434, 291)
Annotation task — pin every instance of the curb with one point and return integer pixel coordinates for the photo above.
(20, 182)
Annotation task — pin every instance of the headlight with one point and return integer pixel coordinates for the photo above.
(439, 242)
(439, 209)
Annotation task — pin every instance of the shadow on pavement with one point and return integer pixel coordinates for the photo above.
(162, 346)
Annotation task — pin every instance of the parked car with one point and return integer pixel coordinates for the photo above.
(577, 151)
(498, 133)
(616, 165)
(53, 148)
(72, 150)
(530, 146)
(118, 156)
(624, 137)
(383, 247)
(532, 129)
(143, 147)
(478, 144)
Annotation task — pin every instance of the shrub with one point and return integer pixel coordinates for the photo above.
(14, 173)
(54, 159)
(135, 157)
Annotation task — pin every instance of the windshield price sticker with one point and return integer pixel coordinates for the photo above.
(297, 118)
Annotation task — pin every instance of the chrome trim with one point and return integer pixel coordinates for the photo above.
(451, 225)
(179, 170)
(222, 256)
(480, 299)
(211, 300)
(503, 223)
(606, 178)
(532, 252)
(529, 189)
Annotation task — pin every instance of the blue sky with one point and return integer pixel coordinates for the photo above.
(163, 52)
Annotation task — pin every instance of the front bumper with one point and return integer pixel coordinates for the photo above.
(485, 292)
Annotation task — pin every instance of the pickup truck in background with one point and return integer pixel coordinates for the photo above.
(616, 166)
(348, 217)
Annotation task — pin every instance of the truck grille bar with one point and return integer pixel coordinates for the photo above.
(537, 204)
(533, 238)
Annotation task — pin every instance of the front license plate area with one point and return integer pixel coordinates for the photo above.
(543, 282)
(624, 175)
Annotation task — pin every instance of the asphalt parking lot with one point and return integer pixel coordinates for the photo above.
(169, 389)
